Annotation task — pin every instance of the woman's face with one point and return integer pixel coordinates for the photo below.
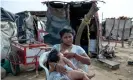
(67, 39)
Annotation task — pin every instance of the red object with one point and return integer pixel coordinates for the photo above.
(28, 53)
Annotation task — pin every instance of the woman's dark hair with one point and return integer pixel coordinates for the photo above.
(52, 57)
(65, 30)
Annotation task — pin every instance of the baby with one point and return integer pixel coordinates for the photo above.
(72, 72)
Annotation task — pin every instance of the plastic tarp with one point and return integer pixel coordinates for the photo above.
(7, 16)
(21, 29)
(131, 35)
(131, 32)
(56, 21)
(26, 28)
(29, 21)
(8, 30)
(109, 25)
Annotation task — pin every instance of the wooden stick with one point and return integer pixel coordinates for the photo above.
(84, 22)
(123, 31)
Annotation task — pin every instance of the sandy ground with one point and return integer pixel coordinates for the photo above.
(125, 72)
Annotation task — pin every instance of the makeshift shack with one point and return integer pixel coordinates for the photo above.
(70, 15)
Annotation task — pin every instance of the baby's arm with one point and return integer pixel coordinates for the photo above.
(69, 63)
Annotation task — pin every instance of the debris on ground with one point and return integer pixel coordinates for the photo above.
(3, 72)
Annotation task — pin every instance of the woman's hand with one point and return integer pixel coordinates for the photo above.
(61, 69)
(69, 54)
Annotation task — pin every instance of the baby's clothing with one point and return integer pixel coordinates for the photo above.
(68, 68)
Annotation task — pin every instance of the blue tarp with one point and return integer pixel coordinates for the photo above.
(7, 16)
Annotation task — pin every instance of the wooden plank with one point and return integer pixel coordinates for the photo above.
(111, 64)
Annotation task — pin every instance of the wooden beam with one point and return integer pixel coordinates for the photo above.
(84, 22)
(111, 64)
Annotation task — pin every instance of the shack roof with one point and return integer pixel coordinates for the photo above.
(37, 13)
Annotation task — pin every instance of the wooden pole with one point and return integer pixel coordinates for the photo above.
(84, 22)
(111, 31)
(123, 31)
(117, 32)
(88, 31)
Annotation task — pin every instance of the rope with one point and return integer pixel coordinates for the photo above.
(88, 31)
(87, 22)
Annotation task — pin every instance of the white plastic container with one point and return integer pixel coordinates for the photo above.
(92, 45)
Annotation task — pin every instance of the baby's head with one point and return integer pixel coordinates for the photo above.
(54, 56)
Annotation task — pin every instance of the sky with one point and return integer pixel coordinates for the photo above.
(112, 8)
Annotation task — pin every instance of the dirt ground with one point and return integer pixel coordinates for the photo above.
(125, 72)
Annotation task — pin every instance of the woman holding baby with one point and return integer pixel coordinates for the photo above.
(74, 53)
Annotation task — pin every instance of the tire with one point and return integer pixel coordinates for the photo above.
(15, 69)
